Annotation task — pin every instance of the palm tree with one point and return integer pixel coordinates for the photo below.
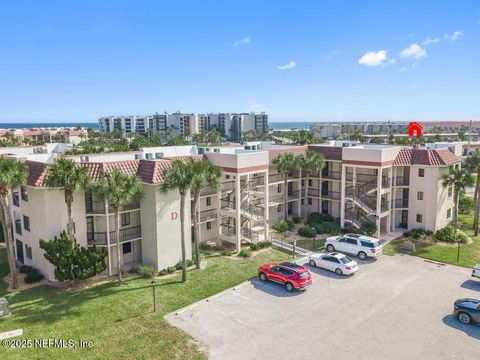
(64, 174)
(473, 165)
(204, 174)
(303, 137)
(13, 173)
(118, 189)
(179, 176)
(286, 163)
(459, 179)
(311, 162)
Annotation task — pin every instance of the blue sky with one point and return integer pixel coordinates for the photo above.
(297, 60)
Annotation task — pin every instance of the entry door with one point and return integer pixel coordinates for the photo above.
(127, 252)
(324, 207)
(289, 208)
(404, 223)
(19, 251)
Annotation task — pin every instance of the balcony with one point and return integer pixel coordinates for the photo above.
(401, 203)
(95, 207)
(293, 195)
(366, 178)
(18, 226)
(278, 198)
(228, 230)
(313, 192)
(402, 181)
(16, 199)
(384, 207)
(385, 183)
(100, 238)
(332, 175)
(275, 178)
(331, 195)
(207, 215)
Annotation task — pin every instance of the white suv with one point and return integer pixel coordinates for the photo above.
(476, 271)
(360, 245)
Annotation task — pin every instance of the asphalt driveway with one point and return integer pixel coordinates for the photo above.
(392, 308)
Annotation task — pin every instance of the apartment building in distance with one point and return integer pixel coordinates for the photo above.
(68, 135)
(230, 125)
(394, 187)
(333, 130)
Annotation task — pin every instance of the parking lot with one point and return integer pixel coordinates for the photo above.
(394, 307)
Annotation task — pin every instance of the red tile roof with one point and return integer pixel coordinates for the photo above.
(149, 171)
(329, 152)
(427, 157)
(296, 150)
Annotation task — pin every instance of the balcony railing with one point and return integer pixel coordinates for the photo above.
(227, 204)
(126, 234)
(16, 199)
(100, 238)
(401, 203)
(384, 207)
(275, 178)
(402, 181)
(132, 205)
(276, 198)
(293, 195)
(95, 207)
(207, 215)
(332, 175)
(228, 230)
(96, 238)
(313, 192)
(18, 226)
(366, 178)
(331, 195)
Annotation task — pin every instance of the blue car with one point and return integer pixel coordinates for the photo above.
(467, 310)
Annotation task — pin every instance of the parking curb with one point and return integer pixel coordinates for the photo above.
(212, 297)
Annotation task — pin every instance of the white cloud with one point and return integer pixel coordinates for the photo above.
(290, 65)
(453, 37)
(429, 41)
(244, 41)
(414, 51)
(372, 58)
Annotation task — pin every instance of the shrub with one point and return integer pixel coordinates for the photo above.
(190, 262)
(179, 265)
(406, 233)
(318, 218)
(319, 228)
(331, 227)
(368, 228)
(464, 238)
(307, 231)
(282, 226)
(33, 276)
(147, 271)
(228, 253)
(296, 219)
(429, 232)
(163, 272)
(446, 234)
(171, 269)
(25, 269)
(245, 253)
(465, 205)
(417, 233)
(260, 245)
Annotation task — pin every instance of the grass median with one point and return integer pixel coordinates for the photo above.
(442, 252)
(119, 320)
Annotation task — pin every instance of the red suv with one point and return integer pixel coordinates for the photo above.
(290, 275)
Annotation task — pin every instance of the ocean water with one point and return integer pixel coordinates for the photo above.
(94, 125)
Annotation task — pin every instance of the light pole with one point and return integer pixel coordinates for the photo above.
(458, 249)
(154, 284)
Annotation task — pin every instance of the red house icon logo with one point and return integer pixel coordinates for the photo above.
(414, 129)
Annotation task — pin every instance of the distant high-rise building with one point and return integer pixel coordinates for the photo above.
(229, 125)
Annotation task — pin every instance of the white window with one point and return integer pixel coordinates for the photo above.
(419, 195)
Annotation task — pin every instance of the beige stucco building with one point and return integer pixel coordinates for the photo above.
(394, 187)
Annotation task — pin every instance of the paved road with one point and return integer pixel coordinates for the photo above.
(393, 308)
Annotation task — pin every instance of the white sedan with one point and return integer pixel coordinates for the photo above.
(336, 262)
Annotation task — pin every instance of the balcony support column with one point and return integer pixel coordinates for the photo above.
(299, 208)
(379, 201)
(238, 204)
(266, 207)
(342, 197)
(109, 250)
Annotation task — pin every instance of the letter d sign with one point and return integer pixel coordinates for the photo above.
(173, 215)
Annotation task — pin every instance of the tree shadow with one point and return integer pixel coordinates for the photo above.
(472, 330)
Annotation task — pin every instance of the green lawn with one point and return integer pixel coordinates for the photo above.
(119, 320)
(447, 253)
